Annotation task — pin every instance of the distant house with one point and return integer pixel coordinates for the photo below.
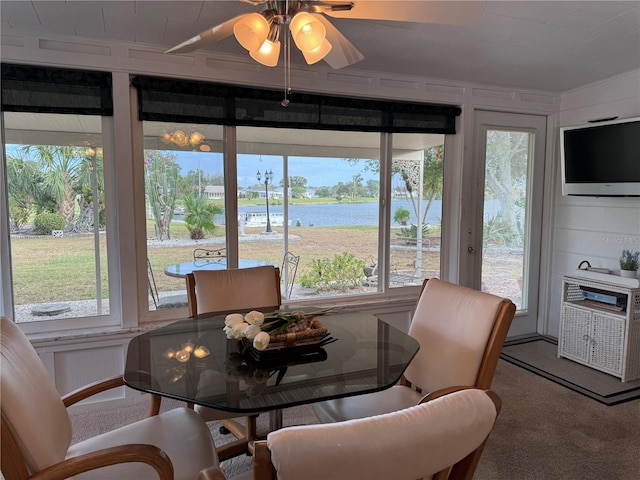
(276, 193)
(216, 192)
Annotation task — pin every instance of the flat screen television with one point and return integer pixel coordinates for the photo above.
(601, 159)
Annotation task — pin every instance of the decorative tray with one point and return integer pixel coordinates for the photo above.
(308, 341)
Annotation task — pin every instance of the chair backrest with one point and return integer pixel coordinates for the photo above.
(36, 428)
(239, 289)
(206, 254)
(461, 332)
(289, 270)
(418, 442)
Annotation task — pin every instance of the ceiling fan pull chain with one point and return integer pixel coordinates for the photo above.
(287, 66)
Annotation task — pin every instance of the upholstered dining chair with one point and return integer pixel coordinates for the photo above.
(461, 332)
(240, 290)
(36, 429)
(442, 438)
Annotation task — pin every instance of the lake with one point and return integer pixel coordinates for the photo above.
(334, 214)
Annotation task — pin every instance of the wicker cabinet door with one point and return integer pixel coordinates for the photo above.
(575, 333)
(607, 342)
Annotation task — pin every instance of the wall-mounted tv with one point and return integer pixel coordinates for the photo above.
(601, 159)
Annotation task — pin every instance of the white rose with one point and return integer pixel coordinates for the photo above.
(261, 341)
(233, 318)
(254, 317)
(251, 331)
(228, 331)
(237, 330)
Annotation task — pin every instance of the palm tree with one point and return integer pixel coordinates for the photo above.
(23, 181)
(200, 215)
(63, 173)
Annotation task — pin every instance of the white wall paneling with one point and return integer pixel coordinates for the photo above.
(592, 228)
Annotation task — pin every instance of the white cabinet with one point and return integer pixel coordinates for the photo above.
(600, 325)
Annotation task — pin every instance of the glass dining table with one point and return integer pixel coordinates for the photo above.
(193, 360)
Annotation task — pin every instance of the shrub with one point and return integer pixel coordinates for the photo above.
(411, 234)
(401, 215)
(342, 272)
(45, 222)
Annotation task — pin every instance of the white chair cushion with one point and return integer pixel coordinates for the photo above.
(180, 433)
(405, 445)
(378, 403)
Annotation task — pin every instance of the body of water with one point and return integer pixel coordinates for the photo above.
(334, 214)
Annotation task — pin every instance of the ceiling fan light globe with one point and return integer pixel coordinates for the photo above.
(318, 53)
(196, 138)
(251, 31)
(267, 54)
(179, 138)
(308, 33)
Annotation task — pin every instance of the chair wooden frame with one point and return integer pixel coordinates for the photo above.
(464, 469)
(14, 464)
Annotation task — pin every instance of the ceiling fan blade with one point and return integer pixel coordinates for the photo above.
(208, 37)
(452, 12)
(343, 53)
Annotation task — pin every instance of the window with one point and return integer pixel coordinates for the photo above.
(57, 197)
(184, 205)
(57, 216)
(416, 208)
(322, 195)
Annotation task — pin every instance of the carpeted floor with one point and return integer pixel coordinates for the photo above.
(544, 432)
(539, 355)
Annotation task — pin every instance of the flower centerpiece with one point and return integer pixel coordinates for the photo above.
(281, 328)
(629, 262)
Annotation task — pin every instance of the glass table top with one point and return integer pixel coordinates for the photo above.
(192, 360)
(180, 270)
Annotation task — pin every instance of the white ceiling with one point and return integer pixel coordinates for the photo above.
(543, 45)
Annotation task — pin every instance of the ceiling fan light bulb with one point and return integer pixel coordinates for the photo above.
(251, 31)
(308, 33)
(318, 53)
(267, 54)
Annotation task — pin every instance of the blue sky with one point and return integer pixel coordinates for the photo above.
(318, 171)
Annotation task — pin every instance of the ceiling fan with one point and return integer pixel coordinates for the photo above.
(305, 21)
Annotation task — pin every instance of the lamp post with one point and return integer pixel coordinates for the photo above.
(268, 178)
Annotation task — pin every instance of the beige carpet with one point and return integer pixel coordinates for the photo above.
(545, 431)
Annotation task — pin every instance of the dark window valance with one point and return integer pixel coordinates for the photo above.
(168, 100)
(26, 88)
